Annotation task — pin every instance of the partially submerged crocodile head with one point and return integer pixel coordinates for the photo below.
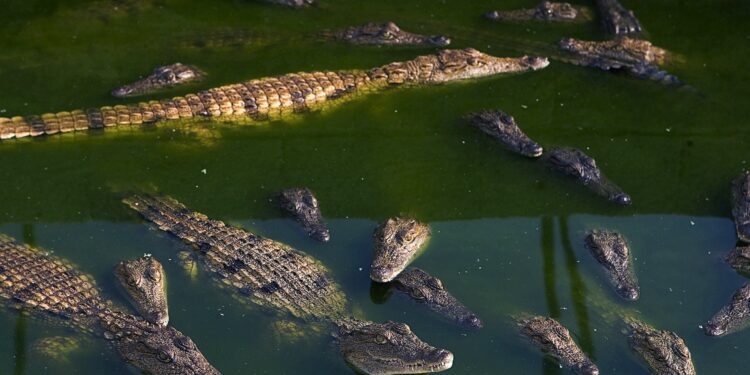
(503, 127)
(554, 339)
(143, 280)
(397, 242)
(546, 11)
(164, 351)
(733, 316)
(574, 163)
(292, 3)
(454, 65)
(611, 251)
(429, 290)
(301, 203)
(389, 348)
(739, 259)
(741, 206)
(388, 33)
(162, 77)
(664, 352)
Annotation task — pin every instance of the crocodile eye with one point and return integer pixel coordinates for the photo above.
(381, 339)
(387, 35)
(417, 293)
(154, 274)
(164, 357)
(436, 284)
(473, 61)
(402, 329)
(132, 281)
(184, 343)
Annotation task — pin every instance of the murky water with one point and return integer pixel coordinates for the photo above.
(507, 232)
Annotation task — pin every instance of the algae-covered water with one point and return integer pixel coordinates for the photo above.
(507, 233)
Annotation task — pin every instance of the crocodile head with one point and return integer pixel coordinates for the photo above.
(389, 34)
(547, 10)
(161, 77)
(164, 351)
(454, 65)
(733, 316)
(389, 348)
(574, 163)
(663, 351)
(397, 241)
(553, 338)
(611, 250)
(301, 203)
(503, 127)
(143, 280)
(429, 290)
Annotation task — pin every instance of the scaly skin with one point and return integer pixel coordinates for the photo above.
(552, 338)
(261, 98)
(397, 241)
(387, 33)
(664, 352)
(503, 127)
(275, 275)
(638, 57)
(616, 19)
(741, 206)
(733, 317)
(574, 163)
(145, 283)
(162, 77)
(292, 3)
(739, 259)
(545, 11)
(429, 290)
(611, 251)
(32, 280)
(302, 204)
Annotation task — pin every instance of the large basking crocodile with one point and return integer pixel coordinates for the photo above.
(574, 163)
(397, 242)
(387, 33)
(611, 250)
(33, 280)
(274, 275)
(262, 97)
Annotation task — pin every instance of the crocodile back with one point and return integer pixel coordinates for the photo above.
(268, 272)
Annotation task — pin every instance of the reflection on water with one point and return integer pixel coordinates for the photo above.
(577, 291)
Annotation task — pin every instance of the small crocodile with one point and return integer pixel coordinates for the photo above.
(739, 259)
(162, 77)
(387, 33)
(741, 206)
(292, 3)
(611, 251)
(616, 19)
(429, 290)
(574, 163)
(733, 317)
(635, 56)
(291, 282)
(260, 98)
(554, 339)
(145, 284)
(397, 242)
(302, 204)
(503, 127)
(33, 280)
(544, 11)
(664, 352)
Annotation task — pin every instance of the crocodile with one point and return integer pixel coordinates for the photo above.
(387, 33)
(664, 352)
(397, 242)
(544, 11)
(302, 204)
(638, 57)
(733, 317)
(292, 3)
(616, 19)
(144, 282)
(741, 206)
(739, 259)
(554, 339)
(162, 77)
(574, 163)
(611, 251)
(260, 98)
(429, 290)
(291, 282)
(503, 127)
(33, 280)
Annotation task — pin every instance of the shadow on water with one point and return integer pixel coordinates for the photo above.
(577, 291)
(553, 304)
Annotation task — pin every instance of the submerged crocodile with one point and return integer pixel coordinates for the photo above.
(733, 317)
(145, 284)
(635, 56)
(554, 339)
(292, 3)
(302, 204)
(161, 78)
(429, 290)
(387, 33)
(262, 97)
(503, 127)
(664, 352)
(741, 206)
(37, 282)
(274, 275)
(574, 163)
(616, 19)
(544, 11)
(397, 242)
(611, 251)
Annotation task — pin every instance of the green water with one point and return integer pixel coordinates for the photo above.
(507, 233)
